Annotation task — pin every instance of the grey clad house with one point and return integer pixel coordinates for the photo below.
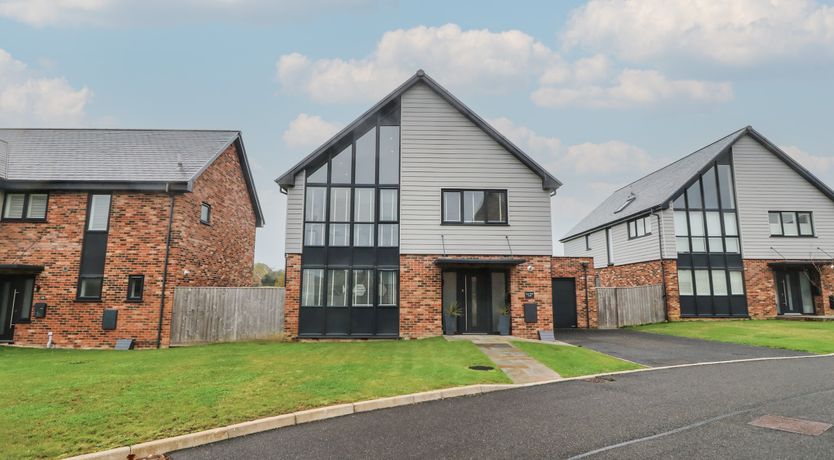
(735, 229)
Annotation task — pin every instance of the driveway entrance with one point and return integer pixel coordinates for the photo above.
(663, 350)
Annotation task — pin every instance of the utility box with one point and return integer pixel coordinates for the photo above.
(531, 312)
(40, 310)
(108, 320)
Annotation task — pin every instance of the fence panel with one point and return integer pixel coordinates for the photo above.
(214, 314)
(631, 306)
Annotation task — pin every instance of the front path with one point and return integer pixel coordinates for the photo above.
(692, 412)
(518, 365)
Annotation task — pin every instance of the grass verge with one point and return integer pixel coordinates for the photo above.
(574, 361)
(809, 336)
(58, 403)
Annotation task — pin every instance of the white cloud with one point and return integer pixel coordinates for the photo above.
(818, 165)
(139, 12)
(27, 99)
(472, 59)
(309, 131)
(587, 160)
(633, 88)
(731, 32)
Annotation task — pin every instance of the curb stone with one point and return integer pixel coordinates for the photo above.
(163, 446)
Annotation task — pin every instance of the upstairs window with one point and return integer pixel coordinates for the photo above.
(99, 214)
(638, 228)
(205, 213)
(588, 242)
(791, 223)
(25, 206)
(474, 207)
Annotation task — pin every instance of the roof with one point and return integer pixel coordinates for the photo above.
(548, 181)
(115, 159)
(657, 189)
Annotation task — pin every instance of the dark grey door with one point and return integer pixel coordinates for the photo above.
(477, 315)
(564, 302)
(793, 289)
(15, 304)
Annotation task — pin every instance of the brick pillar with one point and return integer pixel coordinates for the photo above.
(292, 294)
(673, 298)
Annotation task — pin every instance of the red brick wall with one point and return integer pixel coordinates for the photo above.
(631, 275)
(673, 299)
(760, 285)
(571, 267)
(421, 291)
(292, 294)
(220, 255)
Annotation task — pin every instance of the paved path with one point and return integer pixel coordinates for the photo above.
(663, 350)
(693, 412)
(518, 365)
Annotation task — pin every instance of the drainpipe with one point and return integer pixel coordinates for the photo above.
(662, 266)
(587, 308)
(165, 268)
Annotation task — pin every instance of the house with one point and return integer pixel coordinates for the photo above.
(417, 205)
(735, 229)
(99, 226)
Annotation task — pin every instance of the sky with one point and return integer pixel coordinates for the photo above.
(599, 92)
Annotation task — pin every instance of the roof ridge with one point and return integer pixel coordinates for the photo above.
(682, 158)
(127, 129)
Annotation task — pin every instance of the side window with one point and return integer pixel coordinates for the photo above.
(25, 206)
(205, 213)
(135, 287)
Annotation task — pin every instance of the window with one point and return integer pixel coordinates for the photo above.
(389, 154)
(135, 287)
(685, 282)
(99, 215)
(340, 167)
(791, 223)
(314, 215)
(639, 227)
(337, 288)
(389, 235)
(364, 213)
(366, 158)
(318, 176)
(387, 288)
(719, 282)
(388, 205)
(588, 242)
(25, 206)
(363, 281)
(205, 213)
(340, 212)
(312, 292)
(736, 283)
(474, 207)
(702, 282)
(89, 287)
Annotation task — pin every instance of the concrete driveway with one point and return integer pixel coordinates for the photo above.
(691, 412)
(656, 350)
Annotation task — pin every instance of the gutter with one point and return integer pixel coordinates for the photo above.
(165, 270)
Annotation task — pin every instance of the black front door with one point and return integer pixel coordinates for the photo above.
(564, 302)
(477, 318)
(15, 303)
(794, 294)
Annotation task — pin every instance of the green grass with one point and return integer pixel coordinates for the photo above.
(813, 337)
(66, 402)
(574, 361)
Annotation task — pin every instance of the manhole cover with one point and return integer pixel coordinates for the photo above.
(481, 368)
(791, 425)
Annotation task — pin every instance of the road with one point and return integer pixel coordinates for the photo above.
(699, 411)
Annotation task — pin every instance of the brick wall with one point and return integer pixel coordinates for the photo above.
(631, 275)
(220, 255)
(421, 291)
(292, 294)
(571, 267)
(760, 285)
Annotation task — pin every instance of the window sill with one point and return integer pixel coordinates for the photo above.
(134, 300)
(89, 300)
(475, 224)
(639, 237)
(22, 221)
(793, 236)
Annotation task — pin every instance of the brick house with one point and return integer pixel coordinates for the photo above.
(99, 226)
(417, 205)
(735, 229)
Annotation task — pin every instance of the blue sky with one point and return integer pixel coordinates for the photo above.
(599, 92)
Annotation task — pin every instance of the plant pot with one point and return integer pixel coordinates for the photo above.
(504, 325)
(450, 325)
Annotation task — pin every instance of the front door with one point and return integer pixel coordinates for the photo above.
(564, 302)
(15, 303)
(481, 295)
(794, 295)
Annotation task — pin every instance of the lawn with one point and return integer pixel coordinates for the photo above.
(65, 402)
(574, 361)
(813, 337)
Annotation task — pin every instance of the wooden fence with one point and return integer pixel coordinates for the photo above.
(213, 314)
(620, 307)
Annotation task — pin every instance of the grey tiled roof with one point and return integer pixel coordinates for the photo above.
(654, 189)
(105, 155)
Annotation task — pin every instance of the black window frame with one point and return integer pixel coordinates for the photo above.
(796, 214)
(588, 242)
(132, 279)
(85, 245)
(26, 198)
(207, 206)
(647, 227)
(486, 222)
